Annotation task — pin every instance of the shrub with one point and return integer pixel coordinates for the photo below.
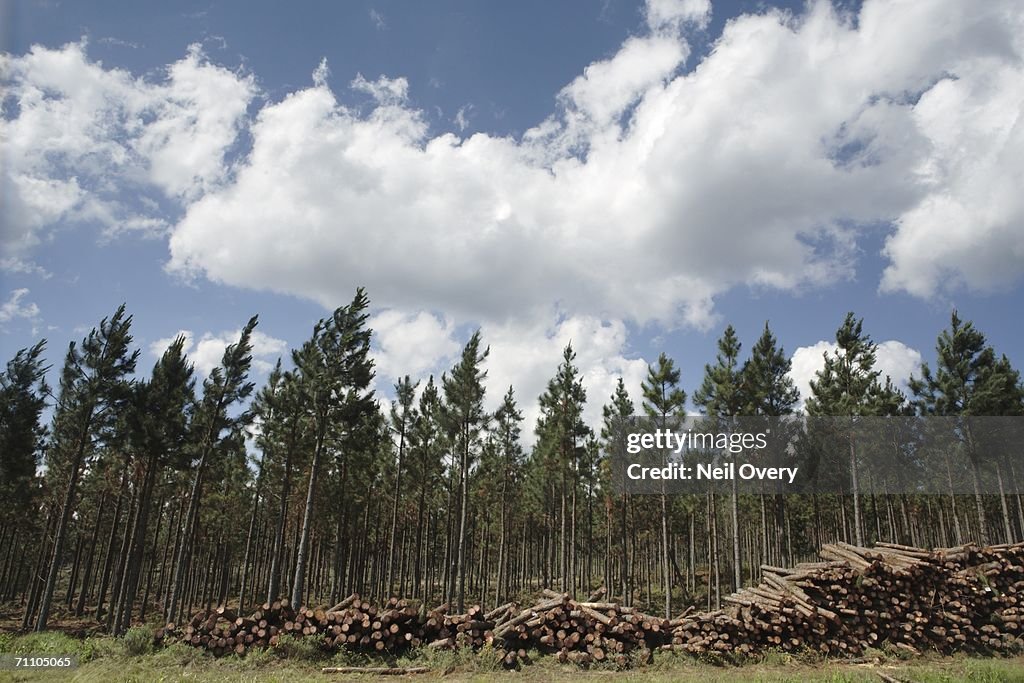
(138, 641)
(291, 647)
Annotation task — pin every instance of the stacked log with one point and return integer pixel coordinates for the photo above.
(222, 632)
(965, 598)
(577, 632)
(352, 623)
(356, 624)
(952, 599)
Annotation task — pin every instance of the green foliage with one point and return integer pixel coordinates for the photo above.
(662, 395)
(722, 391)
(560, 429)
(23, 394)
(768, 388)
(841, 386)
(302, 649)
(138, 641)
(464, 390)
(444, 660)
(179, 655)
(969, 378)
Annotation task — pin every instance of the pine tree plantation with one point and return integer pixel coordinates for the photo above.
(151, 494)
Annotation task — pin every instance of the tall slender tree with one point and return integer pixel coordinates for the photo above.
(465, 418)
(23, 396)
(969, 380)
(428, 453)
(212, 431)
(722, 395)
(617, 416)
(336, 370)
(769, 390)
(663, 398)
(158, 418)
(561, 435)
(507, 427)
(402, 416)
(94, 387)
(285, 441)
(844, 387)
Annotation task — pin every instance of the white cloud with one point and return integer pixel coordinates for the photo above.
(650, 190)
(15, 308)
(77, 135)
(970, 225)
(647, 193)
(13, 264)
(893, 359)
(462, 117)
(662, 14)
(412, 344)
(386, 91)
(208, 351)
(526, 354)
(378, 19)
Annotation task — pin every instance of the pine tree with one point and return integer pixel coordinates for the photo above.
(969, 380)
(94, 388)
(663, 399)
(336, 371)
(617, 416)
(264, 411)
(428, 452)
(722, 395)
(284, 439)
(769, 390)
(403, 414)
(23, 395)
(160, 410)
(464, 418)
(507, 421)
(844, 387)
(211, 432)
(561, 433)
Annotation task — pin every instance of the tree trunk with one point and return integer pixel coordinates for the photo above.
(307, 521)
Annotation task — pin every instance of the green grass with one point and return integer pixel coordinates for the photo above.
(115, 660)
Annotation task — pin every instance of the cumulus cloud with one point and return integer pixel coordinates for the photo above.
(526, 355)
(207, 351)
(655, 185)
(76, 136)
(411, 344)
(649, 191)
(893, 359)
(662, 14)
(15, 307)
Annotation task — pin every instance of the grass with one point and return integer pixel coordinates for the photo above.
(115, 660)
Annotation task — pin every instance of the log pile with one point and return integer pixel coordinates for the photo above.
(966, 598)
(577, 632)
(952, 599)
(352, 624)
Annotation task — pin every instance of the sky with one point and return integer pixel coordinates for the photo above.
(626, 176)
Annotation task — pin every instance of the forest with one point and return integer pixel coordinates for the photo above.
(152, 493)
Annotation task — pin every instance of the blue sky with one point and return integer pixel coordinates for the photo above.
(631, 176)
